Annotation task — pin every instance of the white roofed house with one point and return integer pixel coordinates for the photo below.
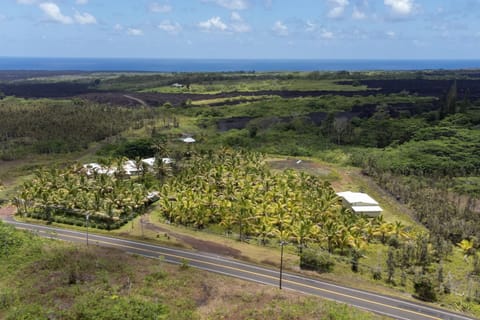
(360, 203)
(128, 168)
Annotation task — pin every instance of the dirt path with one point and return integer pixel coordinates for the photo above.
(197, 244)
(136, 99)
(8, 211)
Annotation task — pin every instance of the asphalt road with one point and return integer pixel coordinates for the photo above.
(381, 304)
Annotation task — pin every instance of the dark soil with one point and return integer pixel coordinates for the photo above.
(423, 87)
(307, 166)
(233, 123)
(44, 90)
(436, 88)
(179, 99)
(363, 111)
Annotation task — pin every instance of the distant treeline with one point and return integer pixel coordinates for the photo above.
(56, 126)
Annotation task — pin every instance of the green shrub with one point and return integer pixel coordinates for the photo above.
(27, 312)
(7, 298)
(424, 289)
(316, 260)
(10, 240)
(113, 307)
(377, 273)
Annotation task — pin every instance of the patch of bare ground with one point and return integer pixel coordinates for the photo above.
(7, 211)
(197, 244)
(307, 166)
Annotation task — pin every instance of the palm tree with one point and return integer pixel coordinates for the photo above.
(398, 229)
(264, 229)
(303, 231)
(357, 250)
(467, 247)
(383, 231)
(329, 232)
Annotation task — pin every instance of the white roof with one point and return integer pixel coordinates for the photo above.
(167, 160)
(188, 140)
(356, 197)
(149, 161)
(95, 167)
(367, 209)
(130, 167)
(153, 195)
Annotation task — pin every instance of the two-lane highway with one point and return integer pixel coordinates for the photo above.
(385, 305)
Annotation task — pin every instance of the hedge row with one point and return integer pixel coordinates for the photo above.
(95, 221)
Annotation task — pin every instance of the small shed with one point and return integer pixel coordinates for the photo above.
(360, 203)
(188, 140)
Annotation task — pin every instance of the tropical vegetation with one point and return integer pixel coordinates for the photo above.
(70, 195)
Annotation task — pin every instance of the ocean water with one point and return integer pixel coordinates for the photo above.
(225, 65)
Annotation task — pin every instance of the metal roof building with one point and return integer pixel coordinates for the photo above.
(360, 203)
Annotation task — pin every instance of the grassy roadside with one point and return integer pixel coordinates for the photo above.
(270, 257)
(45, 279)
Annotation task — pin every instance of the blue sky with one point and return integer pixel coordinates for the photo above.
(295, 29)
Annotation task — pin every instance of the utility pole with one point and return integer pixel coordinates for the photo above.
(282, 243)
(86, 220)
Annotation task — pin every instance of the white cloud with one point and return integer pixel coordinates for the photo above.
(118, 27)
(280, 29)
(159, 8)
(238, 24)
(358, 14)
(318, 31)
(391, 34)
(212, 24)
(84, 18)
(401, 7)
(170, 27)
(337, 8)
(54, 14)
(134, 32)
(231, 4)
(81, 2)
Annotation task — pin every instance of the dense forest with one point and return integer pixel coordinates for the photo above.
(60, 126)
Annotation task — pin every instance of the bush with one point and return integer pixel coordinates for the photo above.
(377, 273)
(10, 240)
(424, 289)
(316, 260)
